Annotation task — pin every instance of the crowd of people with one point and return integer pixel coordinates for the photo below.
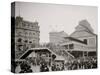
(79, 63)
(26, 67)
(55, 67)
(82, 63)
(23, 67)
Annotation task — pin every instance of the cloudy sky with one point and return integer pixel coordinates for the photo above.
(56, 17)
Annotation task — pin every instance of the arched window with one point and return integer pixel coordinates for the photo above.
(26, 41)
(19, 40)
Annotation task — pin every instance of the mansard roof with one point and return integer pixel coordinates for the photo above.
(84, 29)
(82, 33)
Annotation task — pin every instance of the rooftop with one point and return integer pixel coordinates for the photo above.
(74, 39)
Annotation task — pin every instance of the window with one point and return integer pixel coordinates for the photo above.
(32, 26)
(85, 53)
(33, 45)
(28, 25)
(16, 25)
(92, 41)
(30, 41)
(19, 33)
(33, 33)
(19, 40)
(71, 46)
(85, 41)
(20, 47)
(33, 41)
(24, 24)
(30, 33)
(26, 33)
(66, 46)
(26, 41)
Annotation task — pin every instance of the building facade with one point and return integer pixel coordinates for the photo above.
(26, 34)
(82, 42)
(57, 37)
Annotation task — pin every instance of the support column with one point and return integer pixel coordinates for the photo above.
(83, 53)
(87, 53)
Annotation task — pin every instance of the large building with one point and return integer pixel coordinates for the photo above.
(82, 42)
(57, 37)
(26, 34)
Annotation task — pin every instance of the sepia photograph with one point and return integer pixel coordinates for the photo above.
(53, 37)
